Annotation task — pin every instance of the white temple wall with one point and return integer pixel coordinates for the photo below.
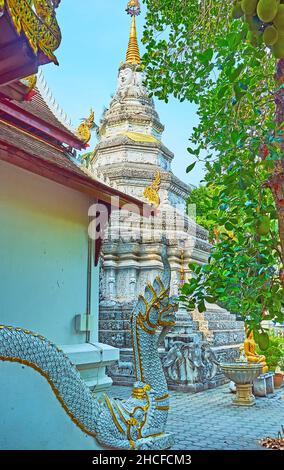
(43, 266)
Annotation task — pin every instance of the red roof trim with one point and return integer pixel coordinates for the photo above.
(30, 120)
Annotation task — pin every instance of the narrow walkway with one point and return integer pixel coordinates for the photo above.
(207, 420)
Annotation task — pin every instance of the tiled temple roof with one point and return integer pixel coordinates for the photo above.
(40, 108)
(28, 152)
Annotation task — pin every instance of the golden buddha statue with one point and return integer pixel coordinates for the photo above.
(250, 351)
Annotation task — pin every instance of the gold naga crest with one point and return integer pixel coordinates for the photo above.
(151, 193)
(84, 130)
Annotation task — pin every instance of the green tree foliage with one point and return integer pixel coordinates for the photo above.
(274, 354)
(242, 272)
(85, 159)
(205, 199)
(197, 52)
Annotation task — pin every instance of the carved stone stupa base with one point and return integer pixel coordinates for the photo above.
(189, 358)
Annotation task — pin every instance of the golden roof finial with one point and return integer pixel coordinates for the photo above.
(151, 193)
(84, 130)
(133, 54)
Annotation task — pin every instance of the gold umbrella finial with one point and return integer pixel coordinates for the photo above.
(133, 55)
(133, 8)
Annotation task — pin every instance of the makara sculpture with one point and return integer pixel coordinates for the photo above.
(136, 423)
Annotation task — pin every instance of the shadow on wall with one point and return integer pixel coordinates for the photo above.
(31, 417)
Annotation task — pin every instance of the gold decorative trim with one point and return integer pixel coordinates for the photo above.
(139, 393)
(138, 137)
(30, 81)
(160, 282)
(37, 20)
(110, 407)
(164, 311)
(162, 398)
(141, 324)
(164, 408)
(121, 414)
(142, 319)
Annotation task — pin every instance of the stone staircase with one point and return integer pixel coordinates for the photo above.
(222, 330)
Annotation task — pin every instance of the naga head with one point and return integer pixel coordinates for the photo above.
(167, 312)
(156, 309)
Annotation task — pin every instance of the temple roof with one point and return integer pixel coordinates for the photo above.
(39, 114)
(44, 106)
(29, 153)
(33, 137)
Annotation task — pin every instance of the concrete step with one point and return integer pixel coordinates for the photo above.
(193, 326)
(227, 349)
(215, 308)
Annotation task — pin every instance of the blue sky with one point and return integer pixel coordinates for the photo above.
(95, 36)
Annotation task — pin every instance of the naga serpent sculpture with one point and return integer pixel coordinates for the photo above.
(136, 423)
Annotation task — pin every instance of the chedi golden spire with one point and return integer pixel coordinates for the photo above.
(133, 54)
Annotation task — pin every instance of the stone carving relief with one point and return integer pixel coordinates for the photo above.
(132, 286)
(122, 368)
(190, 362)
(111, 284)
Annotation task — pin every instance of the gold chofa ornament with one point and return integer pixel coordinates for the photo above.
(30, 81)
(36, 19)
(151, 193)
(84, 130)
